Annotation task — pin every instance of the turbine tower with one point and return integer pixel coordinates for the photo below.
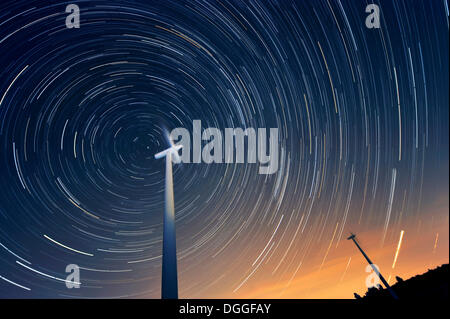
(169, 282)
(375, 269)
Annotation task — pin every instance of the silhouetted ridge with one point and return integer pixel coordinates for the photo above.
(431, 285)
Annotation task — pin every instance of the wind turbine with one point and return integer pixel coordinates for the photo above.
(169, 282)
(375, 269)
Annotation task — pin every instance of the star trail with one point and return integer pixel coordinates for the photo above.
(363, 128)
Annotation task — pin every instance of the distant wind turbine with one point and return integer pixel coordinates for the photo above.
(169, 282)
(375, 269)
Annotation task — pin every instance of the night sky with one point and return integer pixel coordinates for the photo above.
(363, 122)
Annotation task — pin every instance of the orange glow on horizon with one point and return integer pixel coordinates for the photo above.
(344, 272)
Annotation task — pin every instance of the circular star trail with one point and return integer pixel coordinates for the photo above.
(362, 117)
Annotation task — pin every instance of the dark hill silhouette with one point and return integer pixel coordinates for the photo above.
(431, 285)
